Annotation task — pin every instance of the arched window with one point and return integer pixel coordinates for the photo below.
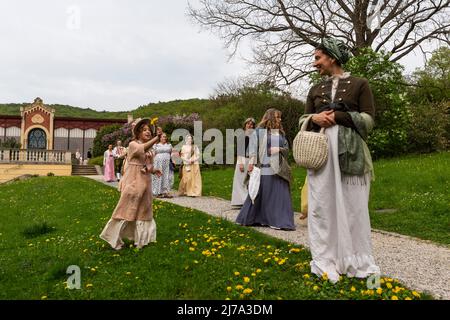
(37, 139)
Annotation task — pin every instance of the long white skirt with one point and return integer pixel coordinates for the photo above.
(240, 191)
(141, 232)
(338, 219)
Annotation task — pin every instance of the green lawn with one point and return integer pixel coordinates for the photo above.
(50, 223)
(417, 187)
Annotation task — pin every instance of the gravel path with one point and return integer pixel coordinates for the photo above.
(419, 264)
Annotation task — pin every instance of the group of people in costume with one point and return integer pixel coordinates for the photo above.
(334, 198)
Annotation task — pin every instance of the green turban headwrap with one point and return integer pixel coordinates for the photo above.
(336, 49)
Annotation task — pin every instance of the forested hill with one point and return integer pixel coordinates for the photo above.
(153, 109)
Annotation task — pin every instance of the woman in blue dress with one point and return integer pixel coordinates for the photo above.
(269, 148)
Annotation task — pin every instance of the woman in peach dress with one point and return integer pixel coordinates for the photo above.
(133, 216)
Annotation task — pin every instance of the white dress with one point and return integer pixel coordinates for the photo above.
(161, 185)
(240, 191)
(338, 218)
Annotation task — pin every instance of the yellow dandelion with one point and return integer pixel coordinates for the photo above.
(388, 285)
(239, 287)
(247, 291)
(379, 291)
(306, 276)
(191, 249)
(315, 288)
(89, 285)
(43, 297)
(408, 298)
(394, 298)
(246, 279)
(236, 273)
(258, 270)
(353, 289)
(416, 294)
(229, 289)
(253, 274)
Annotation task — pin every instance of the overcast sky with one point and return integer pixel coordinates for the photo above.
(110, 54)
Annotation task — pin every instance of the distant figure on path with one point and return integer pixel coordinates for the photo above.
(108, 165)
(191, 181)
(240, 191)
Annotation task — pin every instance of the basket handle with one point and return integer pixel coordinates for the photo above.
(306, 122)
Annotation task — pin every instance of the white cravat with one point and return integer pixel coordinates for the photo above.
(335, 82)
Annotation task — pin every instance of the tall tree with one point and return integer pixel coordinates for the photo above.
(286, 31)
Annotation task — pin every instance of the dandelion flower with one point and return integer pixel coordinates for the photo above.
(229, 289)
(258, 270)
(89, 285)
(379, 291)
(236, 273)
(247, 291)
(239, 287)
(246, 279)
(315, 288)
(394, 298)
(43, 297)
(353, 289)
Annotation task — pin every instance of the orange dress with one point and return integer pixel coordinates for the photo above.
(133, 216)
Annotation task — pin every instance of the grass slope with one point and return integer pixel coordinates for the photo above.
(51, 223)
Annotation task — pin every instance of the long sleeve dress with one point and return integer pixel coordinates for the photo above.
(162, 185)
(338, 214)
(191, 181)
(133, 216)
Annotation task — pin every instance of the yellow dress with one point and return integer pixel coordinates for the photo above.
(191, 181)
(133, 215)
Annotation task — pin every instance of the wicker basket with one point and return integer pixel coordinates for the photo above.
(310, 149)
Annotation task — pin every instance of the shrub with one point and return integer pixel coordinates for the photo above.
(429, 130)
(392, 116)
(100, 144)
(50, 174)
(96, 161)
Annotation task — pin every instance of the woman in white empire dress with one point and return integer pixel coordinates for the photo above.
(240, 191)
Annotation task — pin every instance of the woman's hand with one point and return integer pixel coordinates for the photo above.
(274, 150)
(324, 119)
(241, 167)
(157, 172)
(250, 167)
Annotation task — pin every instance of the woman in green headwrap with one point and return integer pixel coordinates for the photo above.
(338, 193)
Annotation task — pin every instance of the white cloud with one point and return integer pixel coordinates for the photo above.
(111, 55)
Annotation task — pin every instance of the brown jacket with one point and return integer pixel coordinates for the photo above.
(353, 91)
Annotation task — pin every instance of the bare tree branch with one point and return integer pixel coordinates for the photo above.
(285, 32)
